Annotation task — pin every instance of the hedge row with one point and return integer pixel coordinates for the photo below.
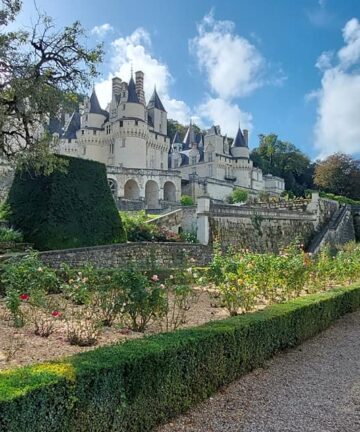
(138, 384)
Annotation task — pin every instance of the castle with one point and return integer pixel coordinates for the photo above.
(144, 169)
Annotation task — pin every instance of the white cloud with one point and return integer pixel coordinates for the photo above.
(226, 114)
(101, 30)
(337, 127)
(324, 61)
(135, 51)
(233, 66)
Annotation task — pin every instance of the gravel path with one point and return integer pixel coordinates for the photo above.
(312, 388)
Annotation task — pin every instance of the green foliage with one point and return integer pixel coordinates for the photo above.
(66, 210)
(42, 67)
(186, 200)
(339, 174)
(189, 237)
(245, 278)
(4, 211)
(142, 297)
(283, 159)
(138, 229)
(238, 195)
(116, 388)
(339, 198)
(10, 235)
(26, 277)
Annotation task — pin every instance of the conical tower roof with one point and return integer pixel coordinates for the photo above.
(155, 102)
(132, 95)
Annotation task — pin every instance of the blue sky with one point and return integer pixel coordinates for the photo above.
(284, 66)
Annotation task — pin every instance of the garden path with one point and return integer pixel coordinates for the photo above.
(312, 388)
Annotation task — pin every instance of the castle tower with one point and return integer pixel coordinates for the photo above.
(239, 148)
(93, 115)
(157, 114)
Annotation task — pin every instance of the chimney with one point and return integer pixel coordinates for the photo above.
(139, 80)
(246, 136)
(116, 86)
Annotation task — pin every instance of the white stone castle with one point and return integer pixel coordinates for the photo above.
(144, 169)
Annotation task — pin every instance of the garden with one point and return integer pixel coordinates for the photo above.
(46, 314)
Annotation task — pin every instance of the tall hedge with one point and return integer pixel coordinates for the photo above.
(133, 386)
(66, 209)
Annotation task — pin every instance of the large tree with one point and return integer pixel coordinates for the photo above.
(283, 159)
(40, 70)
(339, 174)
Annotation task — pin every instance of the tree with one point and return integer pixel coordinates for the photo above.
(238, 195)
(339, 174)
(40, 70)
(283, 159)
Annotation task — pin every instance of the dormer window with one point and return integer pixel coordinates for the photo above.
(193, 160)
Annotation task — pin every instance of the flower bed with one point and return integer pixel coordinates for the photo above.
(138, 384)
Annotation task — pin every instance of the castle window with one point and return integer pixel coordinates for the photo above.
(161, 166)
(164, 138)
(123, 142)
(86, 117)
(155, 136)
(112, 148)
(69, 140)
(84, 151)
(210, 157)
(210, 170)
(82, 132)
(176, 163)
(193, 160)
(136, 123)
(121, 123)
(94, 132)
(123, 107)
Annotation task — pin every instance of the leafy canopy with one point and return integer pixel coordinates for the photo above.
(40, 70)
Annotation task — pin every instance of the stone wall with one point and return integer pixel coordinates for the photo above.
(143, 255)
(261, 229)
(356, 219)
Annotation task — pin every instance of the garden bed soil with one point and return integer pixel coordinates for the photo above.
(20, 346)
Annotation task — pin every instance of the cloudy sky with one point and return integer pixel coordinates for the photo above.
(286, 66)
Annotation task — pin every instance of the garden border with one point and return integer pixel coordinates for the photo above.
(138, 384)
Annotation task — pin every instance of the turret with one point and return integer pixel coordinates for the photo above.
(131, 107)
(93, 116)
(157, 113)
(239, 148)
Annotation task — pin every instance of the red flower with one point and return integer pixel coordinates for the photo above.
(56, 314)
(24, 297)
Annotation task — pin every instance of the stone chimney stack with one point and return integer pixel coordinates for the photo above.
(139, 80)
(116, 86)
(246, 136)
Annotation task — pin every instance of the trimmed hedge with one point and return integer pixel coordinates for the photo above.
(138, 384)
(65, 210)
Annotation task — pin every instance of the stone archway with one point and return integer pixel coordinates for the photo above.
(152, 194)
(131, 190)
(169, 191)
(113, 187)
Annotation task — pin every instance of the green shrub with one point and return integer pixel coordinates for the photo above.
(339, 198)
(26, 277)
(186, 200)
(238, 195)
(135, 385)
(10, 235)
(66, 210)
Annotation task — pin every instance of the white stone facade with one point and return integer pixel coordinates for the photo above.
(144, 169)
(210, 166)
(130, 138)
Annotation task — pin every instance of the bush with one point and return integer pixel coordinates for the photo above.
(186, 200)
(238, 195)
(66, 210)
(10, 235)
(116, 388)
(23, 278)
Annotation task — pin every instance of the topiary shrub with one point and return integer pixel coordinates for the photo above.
(65, 209)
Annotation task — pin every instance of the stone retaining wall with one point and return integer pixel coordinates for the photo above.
(144, 255)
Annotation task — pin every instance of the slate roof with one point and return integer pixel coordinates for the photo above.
(176, 138)
(73, 126)
(132, 95)
(155, 102)
(239, 141)
(95, 107)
